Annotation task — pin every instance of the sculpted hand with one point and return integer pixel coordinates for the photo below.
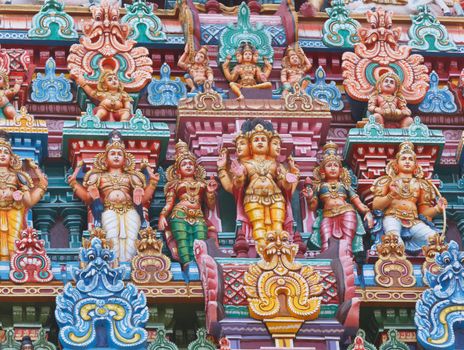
(94, 192)
(237, 169)
(17, 196)
(212, 185)
(307, 190)
(292, 165)
(222, 160)
(442, 204)
(393, 191)
(162, 223)
(138, 195)
(370, 219)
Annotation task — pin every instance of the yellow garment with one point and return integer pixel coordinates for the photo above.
(11, 224)
(265, 218)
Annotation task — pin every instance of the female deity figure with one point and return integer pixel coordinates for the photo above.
(188, 196)
(114, 102)
(333, 192)
(6, 95)
(295, 66)
(197, 66)
(387, 104)
(116, 192)
(407, 200)
(261, 185)
(18, 194)
(247, 74)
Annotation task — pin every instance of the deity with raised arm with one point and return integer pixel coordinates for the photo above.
(188, 196)
(295, 66)
(197, 66)
(387, 104)
(247, 74)
(7, 110)
(331, 190)
(409, 202)
(116, 192)
(18, 194)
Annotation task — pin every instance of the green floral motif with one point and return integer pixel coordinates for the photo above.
(393, 343)
(360, 342)
(340, 30)
(10, 343)
(42, 343)
(235, 34)
(161, 343)
(145, 25)
(52, 23)
(201, 343)
(428, 34)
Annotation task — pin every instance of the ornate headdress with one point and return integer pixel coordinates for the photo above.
(392, 75)
(115, 142)
(16, 162)
(182, 153)
(330, 154)
(292, 50)
(406, 147)
(246, 46)
(101, 81)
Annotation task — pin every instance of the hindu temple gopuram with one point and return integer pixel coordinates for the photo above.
(231, 174)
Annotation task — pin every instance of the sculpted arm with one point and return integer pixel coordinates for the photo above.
(151, 187)
(84, 192)
(10, 93)
(183, 61)
(230, 76)
(382, 196)
(426, 200)
(224, 176)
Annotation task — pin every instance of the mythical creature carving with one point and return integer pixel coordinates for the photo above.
(436, 245)
(281, 291)
(100, 297)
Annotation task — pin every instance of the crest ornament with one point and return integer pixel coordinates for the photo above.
(340, 30)
(165, 91)
(438, 100)
(50, 87)
(145, 26)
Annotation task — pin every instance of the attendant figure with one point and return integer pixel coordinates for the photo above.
(295, 66)
(7, 111)
(197, 66)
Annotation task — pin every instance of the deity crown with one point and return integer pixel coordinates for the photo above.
(406, 147)
(329, 152)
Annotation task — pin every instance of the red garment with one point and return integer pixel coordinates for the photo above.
(342, 226)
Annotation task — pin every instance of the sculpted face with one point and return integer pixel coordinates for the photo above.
(27, 347)
(5, 157)
(259, 144)
(242, 147)
(199, 57)
(388, 86)
(247, 56)
(332, 170)
(112, 82)
(276, 147)
(294, 60)
(115, 158)
(406, 163)
(187, 168)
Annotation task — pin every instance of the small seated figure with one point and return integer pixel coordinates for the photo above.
(188, 196)
(387, 104)
(197, 66)
(7, 111)
(114, 102)
(247, 74)
(407, 200)
(332, 190)
(26, 344)
(295, 65)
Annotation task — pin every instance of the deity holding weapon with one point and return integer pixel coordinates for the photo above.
(116, 192)
(295, 66)
(7, 111)
(340, 204)
(114, 102)
(407, 200)
(188, 196)
(247, 74)
(18, 193)
(197, 66)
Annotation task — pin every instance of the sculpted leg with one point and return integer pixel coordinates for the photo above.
(255, 212)
(236, 90)
(266, 85)
(278, 216)
(9, 111)
(180, 232)
(111, 224)
(132, 225)
(420, 235)
(393, 225)
(406, 122)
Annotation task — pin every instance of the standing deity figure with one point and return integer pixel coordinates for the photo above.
(387, 104)
(116, 192)
(114, 102)
(260, 183)
(188, 196)
(197, 66)
(7, 111)
(332, 191)
(407, 200)
(295, 66)
(18, 194)
(247, 74)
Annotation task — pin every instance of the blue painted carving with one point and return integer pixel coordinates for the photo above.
(50, 87)
(100, 312)
(438, 100)
(323, 91)
(164, 91)
(440, 310)
(145, 26)
(52, 23)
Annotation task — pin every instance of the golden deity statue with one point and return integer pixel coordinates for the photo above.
(114, 102)
(116, 192)
(6, 95)
(261, 184)
(387, 104)
(407, 200)
(18, 194)
(247, 74)
(197, 66)
(295, 66)
(188, 194)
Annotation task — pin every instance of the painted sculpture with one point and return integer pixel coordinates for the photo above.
(262, 186)
(247, 74)
(295, 66)
(280, 291)
(50, 87)
(26, 343)
(19, 194)
(340, 203)
(197, 66)
(407, 200)
(440, 309)
(101, 311)
(7, 110)
(188, 196)
(387, 104)
(166, 91)
(116, 192)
